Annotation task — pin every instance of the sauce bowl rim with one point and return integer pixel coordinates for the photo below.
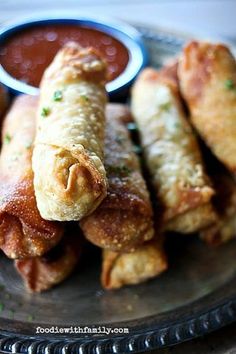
(125, 33)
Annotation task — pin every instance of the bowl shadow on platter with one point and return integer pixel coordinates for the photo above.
(195, 272)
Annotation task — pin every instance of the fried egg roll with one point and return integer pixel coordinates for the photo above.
(42, 273)
(124, 219)
(172, 153)
(69, 176)
(23, 232)
(224, 229)
(207, 74)
(120, 269)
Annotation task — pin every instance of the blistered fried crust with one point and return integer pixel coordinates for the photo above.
(207, 74)
(42, 273)
(23, 232)
(224, 229)
(69, 176)
(119, 269)
(171, 151)
(124, 218)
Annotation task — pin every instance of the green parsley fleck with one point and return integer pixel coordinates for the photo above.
(229, 84)
(132, 126)
(30, 318)
(45, 111)
(7, 138)
(84, 98)
(2, 287)
(1, 306)
(7, 296)
(57, 96)
(165, 106)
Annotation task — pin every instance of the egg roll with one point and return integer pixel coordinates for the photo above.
(23, 232)
(42, 273)
(207, 74)
(120, 269)
(224, 229)
(124, 219)
(171, 152)
(69, 175)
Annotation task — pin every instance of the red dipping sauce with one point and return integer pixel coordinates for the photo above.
(28, 53)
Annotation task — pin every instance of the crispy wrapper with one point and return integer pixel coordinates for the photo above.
(172, 153)
(23, 232)
(42, 273)
(69, 176)
(119, 269)
(224, 229)
(207, 74)
(124, 218)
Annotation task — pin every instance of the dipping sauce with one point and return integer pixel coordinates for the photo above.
(28, 53)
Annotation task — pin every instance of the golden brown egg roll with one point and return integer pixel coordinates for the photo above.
(119, 269)
(69, 176)
(42, 273)
(224, 229)
(124, 219)
(171, 152)
(23, 232)
(207, 74)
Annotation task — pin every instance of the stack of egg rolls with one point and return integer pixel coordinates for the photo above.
(171, 152)
(24, 235)
(123, 223)
(69, 176)
(23, 232)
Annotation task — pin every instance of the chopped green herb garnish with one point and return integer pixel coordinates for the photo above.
(57, 96)
(7, 296)
(1, 306)
(229, 84)
(165, 106)
(132, 126)
(30, 318)
(84, 98)
(45, 111)
(2, 287)
(123, 170)
(7, 138)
